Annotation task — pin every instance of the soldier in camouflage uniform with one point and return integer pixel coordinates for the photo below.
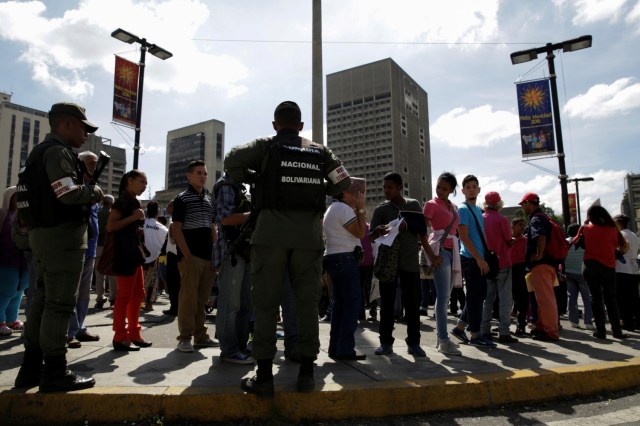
(59, 203)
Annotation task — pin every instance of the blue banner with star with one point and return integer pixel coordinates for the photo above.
(536, 118)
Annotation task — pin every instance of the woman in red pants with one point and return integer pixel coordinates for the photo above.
(125, 219)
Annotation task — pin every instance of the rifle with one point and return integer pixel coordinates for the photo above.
(237, 245)
(103, 160)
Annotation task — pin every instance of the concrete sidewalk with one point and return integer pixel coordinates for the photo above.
(197, 387)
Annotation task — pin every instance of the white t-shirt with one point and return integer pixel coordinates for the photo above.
(631, 267)
(154, 236)
(337, 237)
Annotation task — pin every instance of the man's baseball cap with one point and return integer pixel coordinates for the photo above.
(288, 105)
(623, 218)
(532, 197)
(73, 110)
(492, 198)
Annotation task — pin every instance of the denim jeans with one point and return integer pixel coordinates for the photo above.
(501, 287)
(347, 299)
(76, 322)
(476, 292)
(577, 284)
(444, 285)
(234, 305)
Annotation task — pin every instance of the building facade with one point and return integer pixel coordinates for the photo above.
(201, 141)
(378, 122)
(631, 200)
(110, 179)
(21, 128)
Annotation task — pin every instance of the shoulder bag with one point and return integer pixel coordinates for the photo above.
(490, 256)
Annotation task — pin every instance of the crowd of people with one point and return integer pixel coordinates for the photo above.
(269, 252)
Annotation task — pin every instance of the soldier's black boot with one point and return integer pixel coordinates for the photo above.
(30, 371)
(306, 382)
(57, 378)
(261, 384)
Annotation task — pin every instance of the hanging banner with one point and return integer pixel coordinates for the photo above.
(536, 119)
(573, 210)
(125, 92)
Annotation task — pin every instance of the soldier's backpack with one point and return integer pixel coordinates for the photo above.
(557, 246)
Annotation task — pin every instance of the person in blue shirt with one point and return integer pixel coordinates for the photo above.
(474, 267)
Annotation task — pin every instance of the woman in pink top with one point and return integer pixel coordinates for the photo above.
(601, 239)
(441, 214)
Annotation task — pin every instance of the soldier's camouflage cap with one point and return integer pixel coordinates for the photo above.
(73, 110)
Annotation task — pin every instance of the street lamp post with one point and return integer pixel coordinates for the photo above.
(156, 51)
(576, 180)
(531, 54)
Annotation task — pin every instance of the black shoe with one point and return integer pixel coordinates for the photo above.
(326, 318)
(507, 339)
(262, 388)
(141, 343)
(620, 335)
(599, 335)
(100, 304)
(28, 378)
(69, 381)
(123, 347)
(372, 317)
(170, 312)
(543, 337)
(305, 383)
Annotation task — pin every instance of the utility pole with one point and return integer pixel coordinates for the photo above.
(317, 83)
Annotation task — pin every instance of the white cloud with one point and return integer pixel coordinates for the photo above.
(604, 100)
(633, 17)
(411, 21)
(590, 11)
(60, 49)
(480, 126)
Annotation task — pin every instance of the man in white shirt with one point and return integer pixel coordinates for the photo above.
(155, 234)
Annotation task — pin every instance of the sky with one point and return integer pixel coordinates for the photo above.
(235, 61)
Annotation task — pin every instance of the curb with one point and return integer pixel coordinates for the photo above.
(108, 404)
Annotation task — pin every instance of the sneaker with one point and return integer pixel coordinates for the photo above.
(447, 347)
(17, 325)
(73, 343)
(185, 346)
(481, 342)
(590, 327)
(507, 339)
(416, 351)
(521, 332)
(384, 349)
(238, 358)
(4, 330)
(207, 343)
(575, 325)
(460, 334)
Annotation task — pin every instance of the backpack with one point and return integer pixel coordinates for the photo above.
(557, 246)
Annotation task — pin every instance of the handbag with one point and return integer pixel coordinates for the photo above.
(490, 256)
(105, 263)
(385, 267)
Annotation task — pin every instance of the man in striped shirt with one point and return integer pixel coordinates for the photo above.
(194, 231)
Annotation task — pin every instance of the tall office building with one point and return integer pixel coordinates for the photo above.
(21, 128)
(631, 200)
(201, 141)
(378, 122)
(110, 179)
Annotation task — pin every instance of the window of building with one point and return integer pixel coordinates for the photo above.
(219, 147)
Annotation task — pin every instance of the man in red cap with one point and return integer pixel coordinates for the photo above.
(498, 234)
(542, 269)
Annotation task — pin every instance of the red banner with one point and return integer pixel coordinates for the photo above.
(125, 92)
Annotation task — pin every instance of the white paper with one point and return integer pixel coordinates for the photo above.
(394, 229)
